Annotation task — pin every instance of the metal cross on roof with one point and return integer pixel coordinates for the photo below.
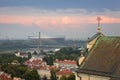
(99, 19)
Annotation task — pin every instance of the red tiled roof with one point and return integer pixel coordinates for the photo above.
(65, 61)
(4, 76)
(37, 61)
(64, 72)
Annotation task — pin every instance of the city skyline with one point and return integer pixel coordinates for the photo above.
(74, 19)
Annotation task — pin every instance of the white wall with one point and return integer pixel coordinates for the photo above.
(90, 44)
(43, 73)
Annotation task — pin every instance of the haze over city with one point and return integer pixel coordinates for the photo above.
(73, 19)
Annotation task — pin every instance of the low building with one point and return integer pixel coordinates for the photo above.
(15, 78)
(63, 72)
(5, 76)
(44, 72)
(20, 54)
(68, 64)
(35, 63)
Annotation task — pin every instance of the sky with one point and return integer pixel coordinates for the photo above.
(74, 19)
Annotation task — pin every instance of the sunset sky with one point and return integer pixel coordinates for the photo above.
(70, 18)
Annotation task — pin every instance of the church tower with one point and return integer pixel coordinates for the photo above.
(91, 42)
(94, 38)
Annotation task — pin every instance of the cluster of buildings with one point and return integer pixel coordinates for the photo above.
(102, 61)
(68, 64)
(21, 54)
(64, 67)
(5, 76)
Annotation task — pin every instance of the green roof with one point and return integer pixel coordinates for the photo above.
(104, 57)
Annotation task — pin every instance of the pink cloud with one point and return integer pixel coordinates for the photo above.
(54, 20)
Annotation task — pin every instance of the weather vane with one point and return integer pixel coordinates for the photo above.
(99, 19)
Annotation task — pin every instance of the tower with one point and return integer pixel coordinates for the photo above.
(98, 28)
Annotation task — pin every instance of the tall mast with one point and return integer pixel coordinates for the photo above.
(39, 45)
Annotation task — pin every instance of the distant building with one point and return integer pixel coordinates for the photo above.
(48, 40)
(15, 78)
(68, 64)
(42, 68)
(20, 54)
(5, 76)
(44, 72)
(63, 72)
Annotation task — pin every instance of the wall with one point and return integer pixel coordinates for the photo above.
(91, 43)
(43, 73)
(90, 77)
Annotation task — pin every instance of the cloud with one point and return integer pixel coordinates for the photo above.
(32, 11)
(55, 18)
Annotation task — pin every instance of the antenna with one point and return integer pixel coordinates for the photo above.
(39, 43)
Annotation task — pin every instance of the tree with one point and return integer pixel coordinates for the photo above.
(29, 55)
(45, 78)
(71, 77)
(35, 53)
(53, 75)
(68, 53)
(20, 71)
(48, 60)
(31, 75)
(63, 77)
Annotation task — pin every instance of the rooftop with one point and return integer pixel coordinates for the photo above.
(104, 58)
(65, 61)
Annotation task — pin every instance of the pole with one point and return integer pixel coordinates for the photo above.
(39, 45)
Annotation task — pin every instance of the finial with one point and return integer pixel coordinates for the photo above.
(98, 19)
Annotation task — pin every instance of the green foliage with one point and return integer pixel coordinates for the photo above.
(66, 50)
(9, 44)
(20, 71)
(67, 53)
(14, 70)
(8, 58)
(63, 78)
(49, 59)
(53, 75)
(31, 75)
(45, 78)
(29, 55)
(71, 77)
(35, 53)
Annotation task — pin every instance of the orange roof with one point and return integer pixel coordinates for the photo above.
(33, 62)
(4, 76)
(65, 61)
(64, 72)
